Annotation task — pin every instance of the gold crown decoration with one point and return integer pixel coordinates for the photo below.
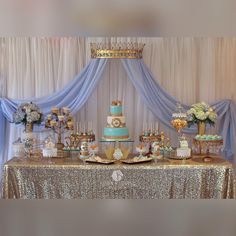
(117, 50)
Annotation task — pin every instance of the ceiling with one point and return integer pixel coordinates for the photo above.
(118, 18)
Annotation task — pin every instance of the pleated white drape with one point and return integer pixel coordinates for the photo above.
(191, 69)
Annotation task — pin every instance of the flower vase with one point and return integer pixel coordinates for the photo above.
(29, 127)
(201, 128)
(59, 144)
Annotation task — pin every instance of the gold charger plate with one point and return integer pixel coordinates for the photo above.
(179, 158)
(132, 161)
(103, 161)
(210, 159)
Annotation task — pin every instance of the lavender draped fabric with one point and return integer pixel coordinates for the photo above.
(77, 92)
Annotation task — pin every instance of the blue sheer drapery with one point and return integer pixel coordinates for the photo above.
(74, 96)
(2, 131)
(162, 104)
(77, 92)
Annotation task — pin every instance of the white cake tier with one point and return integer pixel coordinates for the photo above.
(184, 144)
(116, 121)
(183, 152)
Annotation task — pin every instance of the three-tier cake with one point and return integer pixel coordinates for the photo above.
(116, 128)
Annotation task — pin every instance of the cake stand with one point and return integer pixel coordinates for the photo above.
(207, 144)
(116, 141)
(116, 145)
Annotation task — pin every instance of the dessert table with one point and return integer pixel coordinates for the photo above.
(71, 178)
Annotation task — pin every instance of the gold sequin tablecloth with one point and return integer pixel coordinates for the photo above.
(73, 179)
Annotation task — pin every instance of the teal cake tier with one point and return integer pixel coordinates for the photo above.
(116, 110)
(116, 133)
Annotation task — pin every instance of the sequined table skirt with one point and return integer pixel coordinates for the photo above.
(73, 179)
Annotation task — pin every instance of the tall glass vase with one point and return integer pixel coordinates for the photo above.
(28, 140)
(28, 132)
(29, 127)
(201, 128)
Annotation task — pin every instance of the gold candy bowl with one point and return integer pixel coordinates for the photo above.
(179, 124)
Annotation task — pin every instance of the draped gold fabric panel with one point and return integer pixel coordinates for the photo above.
(72, 179)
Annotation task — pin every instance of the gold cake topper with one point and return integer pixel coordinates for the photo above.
(116, 103)
(117, 50)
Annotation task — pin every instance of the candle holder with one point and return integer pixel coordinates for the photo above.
(73, 141)
(59, 120)
(150, 137)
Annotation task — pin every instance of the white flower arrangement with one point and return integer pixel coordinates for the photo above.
(27, 113)
(201, 112)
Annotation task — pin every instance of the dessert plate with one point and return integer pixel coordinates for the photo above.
(179, 158)
(100, 161)
(136, 160)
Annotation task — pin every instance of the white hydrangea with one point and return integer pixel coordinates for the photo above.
(201, 112)
(191, 111)
(212, 116)
(202, 106)
(17, 118)
(35, 115)
(29, 119)
(201, 115)
(21, 115)
(33, 107)
(190, 117)
(27, 112)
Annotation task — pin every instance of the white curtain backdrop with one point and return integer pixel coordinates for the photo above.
(191, 69)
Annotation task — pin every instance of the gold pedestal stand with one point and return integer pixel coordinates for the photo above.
(59, 120)
(207, 144)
